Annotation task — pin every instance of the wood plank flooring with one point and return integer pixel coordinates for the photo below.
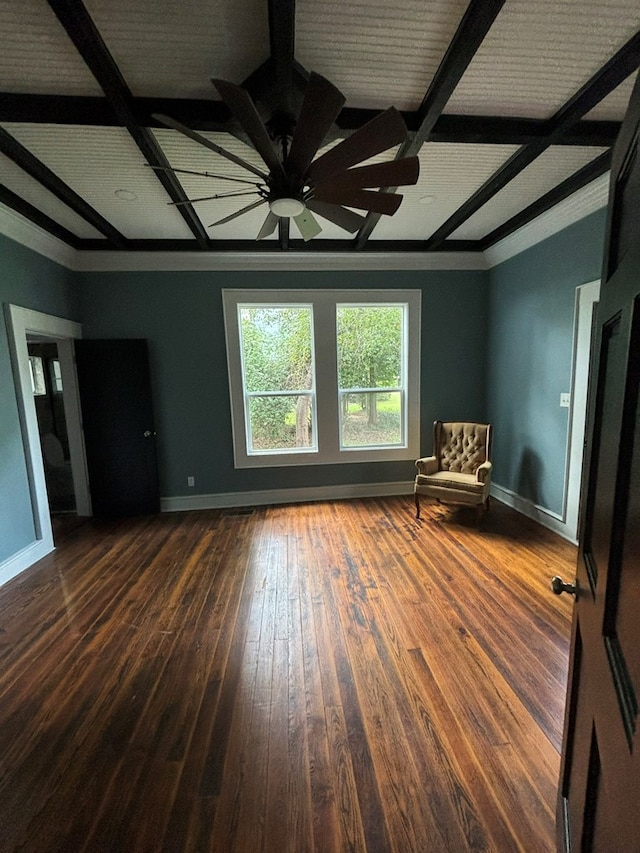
(320, 677)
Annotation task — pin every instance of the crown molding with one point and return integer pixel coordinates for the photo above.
(22, 230)
(295, 261)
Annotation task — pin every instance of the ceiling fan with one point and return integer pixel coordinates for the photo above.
(297, 186)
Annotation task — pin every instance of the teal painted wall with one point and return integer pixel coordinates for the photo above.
(508, 331)
(180, 314)
(31, 281)
(532, 300)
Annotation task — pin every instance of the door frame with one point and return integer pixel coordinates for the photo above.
(22, 322)
(586, 295)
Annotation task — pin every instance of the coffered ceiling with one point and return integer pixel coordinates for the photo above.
(511, 107)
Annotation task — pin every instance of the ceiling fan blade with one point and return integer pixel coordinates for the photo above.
(239, 102)
(202, 174)
(211, 197)
(239, 212)
(382, 132)
(340, 216)
(377, 202)
(308, 225)
(186, 131)
(268, 226)
(396, 173)
(320, 108)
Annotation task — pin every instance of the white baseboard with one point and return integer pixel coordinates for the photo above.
(40, 548)
(24, 559)
(282, 496)
(543, 516)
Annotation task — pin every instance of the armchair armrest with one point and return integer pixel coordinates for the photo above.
(427, 465)
(483, 472)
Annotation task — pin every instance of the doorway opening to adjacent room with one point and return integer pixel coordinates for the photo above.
(25, 325)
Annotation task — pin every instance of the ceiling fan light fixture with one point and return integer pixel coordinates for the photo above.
(288, 206)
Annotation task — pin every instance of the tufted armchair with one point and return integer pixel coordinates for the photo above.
(460, 469)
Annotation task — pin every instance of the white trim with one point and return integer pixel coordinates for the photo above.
(23, 560)
(269, 497)
(567, 212)
(278, 261)
(525, 506)
(586, 297)
(27, 233)
(20, 322)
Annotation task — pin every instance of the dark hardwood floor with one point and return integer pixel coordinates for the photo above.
(322, 677)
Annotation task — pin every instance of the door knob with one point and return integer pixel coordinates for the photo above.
(559, 586)
(148, 433)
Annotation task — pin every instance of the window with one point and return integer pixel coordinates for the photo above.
(38, 384)
(56, 375)
(278, 374)
(323, 376)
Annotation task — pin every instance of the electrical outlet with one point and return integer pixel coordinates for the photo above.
(564, 400)
(191, 481)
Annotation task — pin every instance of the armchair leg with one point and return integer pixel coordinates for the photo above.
(481, 510)
(417, 499)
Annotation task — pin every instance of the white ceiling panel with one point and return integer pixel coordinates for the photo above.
(97, 162)
(553, 166)
(37, 54)
(449, 174)
(169, 49)
(32, 191)
(378, 55)
(538, 54)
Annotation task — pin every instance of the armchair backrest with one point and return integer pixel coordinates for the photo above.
(461, 447)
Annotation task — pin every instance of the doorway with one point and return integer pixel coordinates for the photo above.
(48, 393)
(22, 324)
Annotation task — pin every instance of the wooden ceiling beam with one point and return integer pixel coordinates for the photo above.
(501, 130)
(601, 84)
(203, 115)
(284, 234)
(474, 26)
(82, 31)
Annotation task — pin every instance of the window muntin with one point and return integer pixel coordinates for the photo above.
(332, 432)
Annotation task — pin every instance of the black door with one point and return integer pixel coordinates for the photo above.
(600, 778)
(117, 418)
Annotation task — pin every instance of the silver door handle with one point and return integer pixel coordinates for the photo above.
(148, 433)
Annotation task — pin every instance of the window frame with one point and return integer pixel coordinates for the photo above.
(328, 417)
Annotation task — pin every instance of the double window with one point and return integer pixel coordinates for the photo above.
(322, 376)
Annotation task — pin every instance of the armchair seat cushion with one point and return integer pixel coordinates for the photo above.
(451, 480)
